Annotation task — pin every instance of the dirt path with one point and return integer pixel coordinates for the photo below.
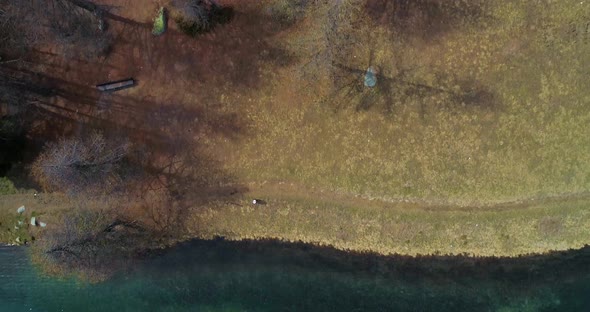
(293, 190)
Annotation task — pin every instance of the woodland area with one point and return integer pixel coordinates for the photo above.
(107, 174)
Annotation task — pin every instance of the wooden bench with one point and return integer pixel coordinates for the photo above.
(116, 85)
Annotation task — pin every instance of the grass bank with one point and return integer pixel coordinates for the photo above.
(403, 228)
(353, 223)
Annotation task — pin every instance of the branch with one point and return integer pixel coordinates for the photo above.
(86, 5)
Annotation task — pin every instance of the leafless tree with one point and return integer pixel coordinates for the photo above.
(18, 89)
(332, 43)
(21, 29)
(76, 25)
(79, 28)
(80, 165)
(196, 12)
(92, 242)
(198, 16)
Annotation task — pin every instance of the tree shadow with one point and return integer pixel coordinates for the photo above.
(168, 165)
(350, 93)
(172, 171)
(232, 55)
(424, 19)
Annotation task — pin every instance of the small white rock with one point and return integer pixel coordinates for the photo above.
(20, 209)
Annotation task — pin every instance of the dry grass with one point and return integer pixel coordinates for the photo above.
(482, 113)
(488, 111)
(398, 229)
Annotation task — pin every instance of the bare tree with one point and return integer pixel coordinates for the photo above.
(92, 242)
(79, 28)
(85, 4)
(332, 43)
(80, 165)
(20, 30)
(198, 16)
(76, 25)
(196, 12)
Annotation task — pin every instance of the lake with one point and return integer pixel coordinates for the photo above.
(272, 276)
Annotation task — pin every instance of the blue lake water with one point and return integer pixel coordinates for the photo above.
(225, 276)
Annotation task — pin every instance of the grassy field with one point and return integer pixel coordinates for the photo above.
(489, 110)
(478, 104)
(474, 140)
(493, 110)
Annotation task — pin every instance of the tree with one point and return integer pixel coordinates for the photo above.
(77, 26)
(19, 30)
(199, 16)
(92, 242)
(332, 43)
(194, 11)
(93, 164)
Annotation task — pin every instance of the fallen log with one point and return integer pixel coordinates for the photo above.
(116, 85)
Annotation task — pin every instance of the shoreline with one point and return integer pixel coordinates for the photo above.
(387, 228)
(359, 225)
(467, 256)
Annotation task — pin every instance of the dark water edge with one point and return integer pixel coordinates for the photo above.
(273, 276)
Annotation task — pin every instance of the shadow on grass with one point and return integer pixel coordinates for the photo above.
(165, 136)
(233, 54)
(424, 19)
(349, 92)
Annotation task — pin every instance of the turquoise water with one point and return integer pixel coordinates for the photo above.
(268, 276)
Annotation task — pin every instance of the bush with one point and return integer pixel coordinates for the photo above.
(94, 164)
(6, 186)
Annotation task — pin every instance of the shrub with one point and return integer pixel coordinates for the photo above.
(6, 186)
(82, 164)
